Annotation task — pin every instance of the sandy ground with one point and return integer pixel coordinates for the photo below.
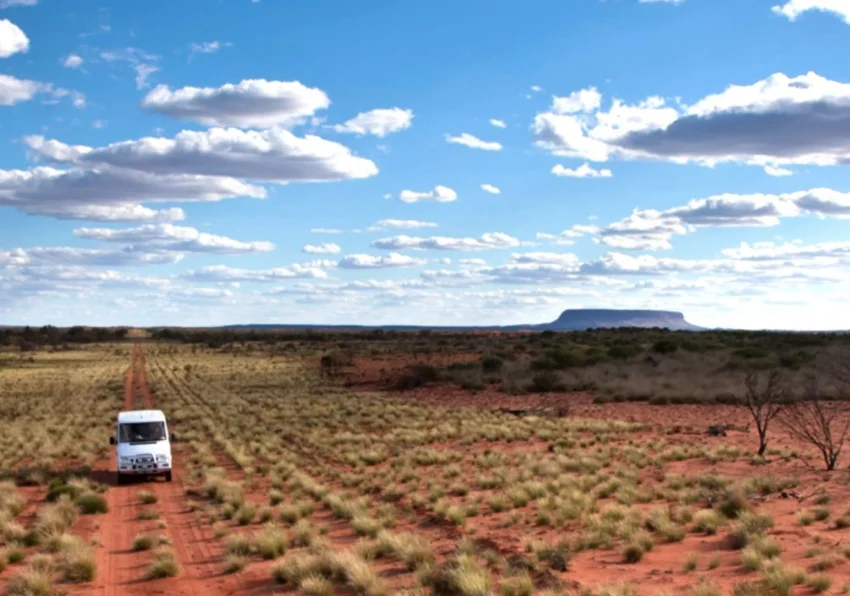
(200, 556)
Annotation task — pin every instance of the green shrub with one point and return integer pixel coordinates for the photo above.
(91, 503)
(546, 381)
(418, 375)
(665, 346)
(491, 364)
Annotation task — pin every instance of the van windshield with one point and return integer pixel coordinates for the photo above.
(141, 432)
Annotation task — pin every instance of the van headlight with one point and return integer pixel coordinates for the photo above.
(163, 459)
(125, 461)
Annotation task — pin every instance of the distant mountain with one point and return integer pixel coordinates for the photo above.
(570, 320)
(592, 318)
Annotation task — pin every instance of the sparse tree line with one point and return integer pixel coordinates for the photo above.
(32, 338)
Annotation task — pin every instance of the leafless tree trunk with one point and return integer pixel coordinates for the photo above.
(764, 403)
(819, 422)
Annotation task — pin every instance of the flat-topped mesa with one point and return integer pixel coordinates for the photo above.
(588, 318)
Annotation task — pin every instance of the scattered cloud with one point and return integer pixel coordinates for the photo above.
(207, 47)
(769, 251)
(72, 61)
(250, 103)
(568, 236)
(584, 100)
(492, 240)
(441, 194)
(108, 213)
(498, 123)
(168, 237)
(328, 248)
(143, 71)
(273, 155)
(652, 230)
(583, 171)
(63, 255)
(223, 273)
(12, 39)
(78, 99)
(392, 260)
(550, 258)
(13, 90)
(777, 121)
(326, 231)
(111, 194)
(408, 224)
(142, 62)
(778, 172)
(490, 188)
(474, 142)
(794, 8)
(380, 122)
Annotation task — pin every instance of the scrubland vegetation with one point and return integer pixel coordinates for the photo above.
(303, 482)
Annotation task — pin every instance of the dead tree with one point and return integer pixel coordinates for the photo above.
(818, 421)
(764, 402)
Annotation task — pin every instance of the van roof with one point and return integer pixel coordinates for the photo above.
(141, 416)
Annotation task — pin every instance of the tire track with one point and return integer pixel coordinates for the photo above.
(196, 557)
(117, 538)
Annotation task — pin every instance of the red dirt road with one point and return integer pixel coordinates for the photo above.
(121, 570)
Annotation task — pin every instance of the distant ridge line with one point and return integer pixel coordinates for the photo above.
(569, 320)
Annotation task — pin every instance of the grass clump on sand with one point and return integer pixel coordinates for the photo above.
(146, 497)
(234, 564)
(30, 582)
(77, 561)
(461, 575)
(272, 542)
(91, 503)
(143, 542)
(164, 564)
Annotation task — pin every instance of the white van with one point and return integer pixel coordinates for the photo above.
(143, 445)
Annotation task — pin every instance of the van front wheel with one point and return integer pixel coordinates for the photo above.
(168, 476)
(122, 479)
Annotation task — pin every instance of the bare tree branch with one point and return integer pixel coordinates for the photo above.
(764, 403)
(820, 422)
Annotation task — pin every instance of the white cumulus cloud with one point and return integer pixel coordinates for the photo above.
(327, 248)
(489, 241)
(585, 170)
(110, 193)
(379, 123)
(274, 155)
(441, 194)
(392, 260)
(250, 103)
(474, 142)
(72, 61)
(780, 120)
(409, 224)
(12, 39)
(14, 90)
(794, 8)
(490, 188)
(223, 273)
(168, 237)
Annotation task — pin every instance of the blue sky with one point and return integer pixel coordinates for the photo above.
(472, 162)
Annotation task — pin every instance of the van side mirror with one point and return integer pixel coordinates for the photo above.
(172, 437)
(111, 440)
